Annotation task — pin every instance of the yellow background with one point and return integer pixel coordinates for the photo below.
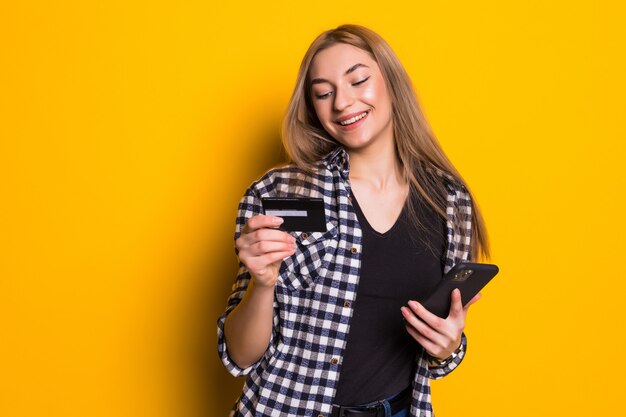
(129, 130)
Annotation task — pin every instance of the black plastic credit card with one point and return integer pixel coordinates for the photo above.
(299, 214)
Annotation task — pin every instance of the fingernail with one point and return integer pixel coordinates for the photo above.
(277, 220)
(413, 304)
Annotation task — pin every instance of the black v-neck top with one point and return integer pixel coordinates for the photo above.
(396, 266)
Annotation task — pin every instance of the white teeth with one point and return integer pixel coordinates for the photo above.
(353, 119)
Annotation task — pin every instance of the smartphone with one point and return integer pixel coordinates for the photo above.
(299, 214)
(468, 277)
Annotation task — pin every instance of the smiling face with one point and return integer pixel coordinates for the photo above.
(350, 96)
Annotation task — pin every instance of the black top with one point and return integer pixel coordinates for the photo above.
(396, 266)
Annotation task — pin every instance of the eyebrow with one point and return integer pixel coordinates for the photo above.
(348, 71)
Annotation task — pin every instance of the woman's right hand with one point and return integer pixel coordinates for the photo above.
(248, 328)
(262, 248)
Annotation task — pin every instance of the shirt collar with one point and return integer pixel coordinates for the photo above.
(338, 159)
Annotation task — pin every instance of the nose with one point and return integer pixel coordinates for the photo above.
(343, 99)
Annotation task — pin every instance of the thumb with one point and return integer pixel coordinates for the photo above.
(456, 305)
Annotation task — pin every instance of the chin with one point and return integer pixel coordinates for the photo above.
(355, 144)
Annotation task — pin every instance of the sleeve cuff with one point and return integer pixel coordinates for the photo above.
(437, 372)
(222, 351)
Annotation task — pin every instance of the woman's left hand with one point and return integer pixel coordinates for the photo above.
(439, 337)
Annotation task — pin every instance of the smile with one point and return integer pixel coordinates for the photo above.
(353, 119)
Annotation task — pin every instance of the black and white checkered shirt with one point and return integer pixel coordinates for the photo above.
(316, 289)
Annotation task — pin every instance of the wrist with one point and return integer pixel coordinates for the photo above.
(435, 361)
(264, 282)
(257, 287)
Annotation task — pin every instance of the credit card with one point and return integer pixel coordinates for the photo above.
(299, 214)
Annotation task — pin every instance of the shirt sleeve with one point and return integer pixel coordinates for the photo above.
(459, 210)
(437, 372)
(250, 205)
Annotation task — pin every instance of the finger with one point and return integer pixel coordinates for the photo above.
(260, 235)
(260, 263)
(428, 345)
(273, 234)
(261, 221)
(265, 247)
(472, 301)
(456, 305)
(431, 319)
(424, 329)
(276, 257)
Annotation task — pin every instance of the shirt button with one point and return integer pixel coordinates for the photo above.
(305, 236)
(354, 250)
(334, 361)
(347, 303)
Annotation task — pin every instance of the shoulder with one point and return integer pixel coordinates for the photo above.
(459, 217)
(289, 180)
(458, 194)
(456, 191)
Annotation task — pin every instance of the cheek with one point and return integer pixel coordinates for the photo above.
(376, 95)
(370, 93)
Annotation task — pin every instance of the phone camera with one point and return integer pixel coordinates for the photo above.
(463, 275)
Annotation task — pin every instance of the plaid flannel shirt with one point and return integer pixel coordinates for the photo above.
(316, 288)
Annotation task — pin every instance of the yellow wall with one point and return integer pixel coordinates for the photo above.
(129, 132)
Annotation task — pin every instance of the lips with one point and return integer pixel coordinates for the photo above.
(351, 119)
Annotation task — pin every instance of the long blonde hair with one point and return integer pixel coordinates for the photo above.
(417, 148)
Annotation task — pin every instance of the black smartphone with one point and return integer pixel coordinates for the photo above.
(299, 214)
(468, 277)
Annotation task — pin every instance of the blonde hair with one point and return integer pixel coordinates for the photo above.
(417, 148)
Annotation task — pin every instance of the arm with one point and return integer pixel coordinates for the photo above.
(246, 328)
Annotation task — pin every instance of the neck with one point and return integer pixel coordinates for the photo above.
(378, 165)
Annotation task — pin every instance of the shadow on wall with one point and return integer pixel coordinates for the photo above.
(214, 389)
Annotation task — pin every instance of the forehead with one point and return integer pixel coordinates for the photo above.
(337, 59)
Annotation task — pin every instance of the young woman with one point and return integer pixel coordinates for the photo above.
(328, 323)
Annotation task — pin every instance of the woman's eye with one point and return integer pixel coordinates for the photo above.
(323, 96)
(361, 81)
